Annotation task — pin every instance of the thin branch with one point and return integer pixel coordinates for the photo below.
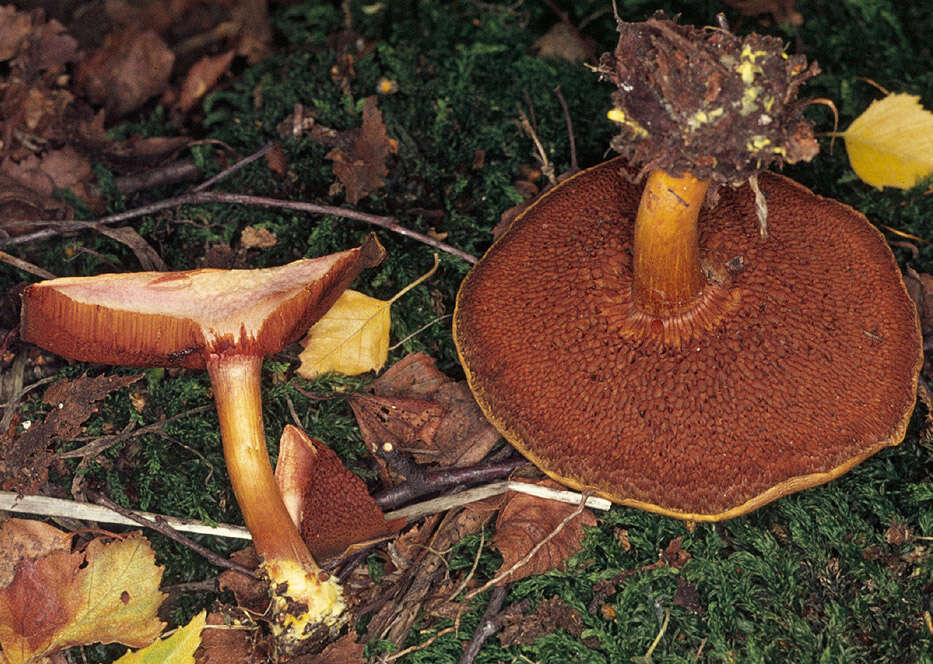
(25, 266)
(56, 227)
(73, 509)
(445, 503)
(161, 526)
(574, 166)
(98, 445)
(210, 182)
(445, 479)
(489, 624)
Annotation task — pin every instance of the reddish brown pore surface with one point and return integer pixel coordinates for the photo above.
(799, 360)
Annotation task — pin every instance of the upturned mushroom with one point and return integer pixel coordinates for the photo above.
(224, 321)
(640, 332)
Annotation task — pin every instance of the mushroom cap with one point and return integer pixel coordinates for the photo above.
(799, 360)
(152, 319)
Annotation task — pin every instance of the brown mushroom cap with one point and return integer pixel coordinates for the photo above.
(799, 360)
(174, 318)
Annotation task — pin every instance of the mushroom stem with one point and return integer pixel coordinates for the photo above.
(302, 594)
(667, 275)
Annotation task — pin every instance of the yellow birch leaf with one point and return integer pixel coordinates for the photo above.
(176, 649)
(353, 336)
(891, 143)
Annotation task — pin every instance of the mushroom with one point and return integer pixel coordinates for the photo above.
(224, 321)
(638, 332)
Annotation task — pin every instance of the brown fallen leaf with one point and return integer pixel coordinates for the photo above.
(458, 434)
(148, 257)
(230, 638)
(131, 67)
(257, 237)
(21, 203)
(562, 43)
(362, 169)
(330, 505)
(108, 593)
(549, 616)
(524, 521)
(25, 460)
(27, 539)
(201, 78)
(405, 424)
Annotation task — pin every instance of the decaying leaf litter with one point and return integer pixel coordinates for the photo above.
(759, 544)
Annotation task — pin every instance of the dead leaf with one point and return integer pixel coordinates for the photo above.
(25, 461)
(891, 143)
(549, 616)
(257, 237)
(342, 651)
(402, 423)
(201, 78)
(131, 67)
(330, 505)
(27, 539)
(148, 258)
(15, 27)
(562, 43)
(353, 336)
(415, 376)
(226, 642)
(20, 203)
(108, 593)
(417, 408)
(525, 521)
(361, 171)
(178, 648)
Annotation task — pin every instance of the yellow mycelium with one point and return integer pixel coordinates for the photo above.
(302, 600)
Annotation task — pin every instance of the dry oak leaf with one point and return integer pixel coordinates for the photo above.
(178, 648)
(526, 520)
(108, 593)
(891, 143)
(353, 336)
(361, 171)
(403, 423)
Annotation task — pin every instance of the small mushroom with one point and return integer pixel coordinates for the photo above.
(637, 333)
(224, 321)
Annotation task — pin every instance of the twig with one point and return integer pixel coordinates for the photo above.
(98, 445)
(534, 550)
(420, 330)
(55, 227)
(160, 525)
(25, 266)
(174, 173)
(574, 167)
(210, 182)
(72, 509)
(421, 646)
(444, 479)
(489, 624)
(445, 503)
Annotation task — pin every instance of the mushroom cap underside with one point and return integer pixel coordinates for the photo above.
(176, 318)
(800, 362)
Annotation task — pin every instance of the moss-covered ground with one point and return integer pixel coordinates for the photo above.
(816, 577)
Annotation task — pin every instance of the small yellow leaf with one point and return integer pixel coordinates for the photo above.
(891, 143)
(176, 649)
(353, 336)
